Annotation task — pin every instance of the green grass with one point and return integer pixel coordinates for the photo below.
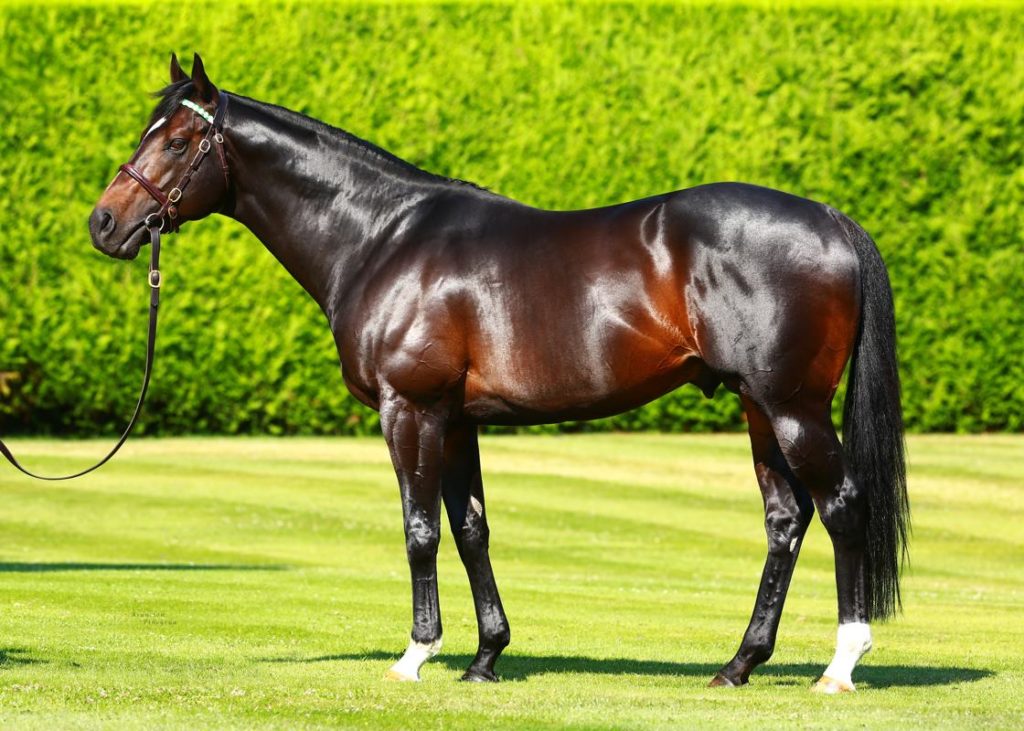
(240, 583)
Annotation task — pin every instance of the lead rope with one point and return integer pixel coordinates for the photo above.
(154, 222)
(154, 307)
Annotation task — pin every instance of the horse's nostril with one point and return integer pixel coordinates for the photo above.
(101, 224)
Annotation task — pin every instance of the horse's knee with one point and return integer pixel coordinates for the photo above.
(473, 536)
(422, 538)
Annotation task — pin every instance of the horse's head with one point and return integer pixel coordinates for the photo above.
(176, 140)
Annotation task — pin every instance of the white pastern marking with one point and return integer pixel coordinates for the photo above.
(415, 656)
(475, 505)
(792, 545)
(852, 641)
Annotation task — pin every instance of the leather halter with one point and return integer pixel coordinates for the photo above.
(155, 223)
(169, 201)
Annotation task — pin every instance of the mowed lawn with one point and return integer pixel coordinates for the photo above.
(261, 583)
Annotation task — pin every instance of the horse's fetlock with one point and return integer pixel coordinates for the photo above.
(497, 639)
(854, 638)
(761, 653)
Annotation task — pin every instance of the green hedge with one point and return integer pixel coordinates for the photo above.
(909, 119)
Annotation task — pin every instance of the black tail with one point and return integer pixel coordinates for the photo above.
(873, 428)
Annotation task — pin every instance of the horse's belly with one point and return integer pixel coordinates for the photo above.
(566, 391)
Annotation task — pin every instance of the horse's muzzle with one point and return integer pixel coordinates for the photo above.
(110, 239)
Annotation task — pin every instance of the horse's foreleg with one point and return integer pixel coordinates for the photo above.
(463, 493)
(415, 437)
(788, 511)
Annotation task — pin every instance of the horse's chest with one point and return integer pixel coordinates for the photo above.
(416, 351)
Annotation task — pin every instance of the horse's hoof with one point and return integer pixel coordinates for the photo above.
(479, 676)
(399, 677)
(831, 686)
(720, 681)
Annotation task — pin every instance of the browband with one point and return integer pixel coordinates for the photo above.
(199, 110)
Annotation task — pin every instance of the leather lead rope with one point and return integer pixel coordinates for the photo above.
(154, 307)
(168, 214)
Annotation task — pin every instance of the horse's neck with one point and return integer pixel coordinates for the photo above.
(319, 201)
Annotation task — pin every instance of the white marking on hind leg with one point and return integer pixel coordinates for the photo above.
(853, 640)
(408, 667)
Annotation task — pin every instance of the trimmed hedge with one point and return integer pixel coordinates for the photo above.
(909, 119)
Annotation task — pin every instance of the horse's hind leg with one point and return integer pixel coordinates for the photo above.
(463, 494)
(788, 510)
(808, 440)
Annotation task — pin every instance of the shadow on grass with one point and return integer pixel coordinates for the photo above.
(10, 656)
(521, 667)
(43, 568)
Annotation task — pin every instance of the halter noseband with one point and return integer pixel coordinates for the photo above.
(169, 201)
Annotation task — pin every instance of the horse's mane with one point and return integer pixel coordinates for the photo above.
(172, 95)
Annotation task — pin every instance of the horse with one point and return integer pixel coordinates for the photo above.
(453, 307)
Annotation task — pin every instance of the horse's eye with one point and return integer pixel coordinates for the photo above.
(178, 144)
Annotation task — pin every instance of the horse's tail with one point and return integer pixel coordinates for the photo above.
(873, 428)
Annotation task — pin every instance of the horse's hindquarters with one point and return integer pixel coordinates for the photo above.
(772, 288)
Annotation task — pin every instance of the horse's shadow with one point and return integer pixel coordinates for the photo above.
(521, 667)
(10, 567)
(12, 656)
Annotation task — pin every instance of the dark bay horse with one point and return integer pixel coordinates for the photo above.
(454, 307)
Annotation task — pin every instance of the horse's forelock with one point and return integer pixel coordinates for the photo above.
(171, 97)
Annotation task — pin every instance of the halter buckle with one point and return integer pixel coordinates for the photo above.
(175, 195)
(204, 145)
(218, 138)
(155, 279)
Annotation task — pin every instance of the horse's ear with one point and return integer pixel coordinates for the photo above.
(204, 87)
(177, 73)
